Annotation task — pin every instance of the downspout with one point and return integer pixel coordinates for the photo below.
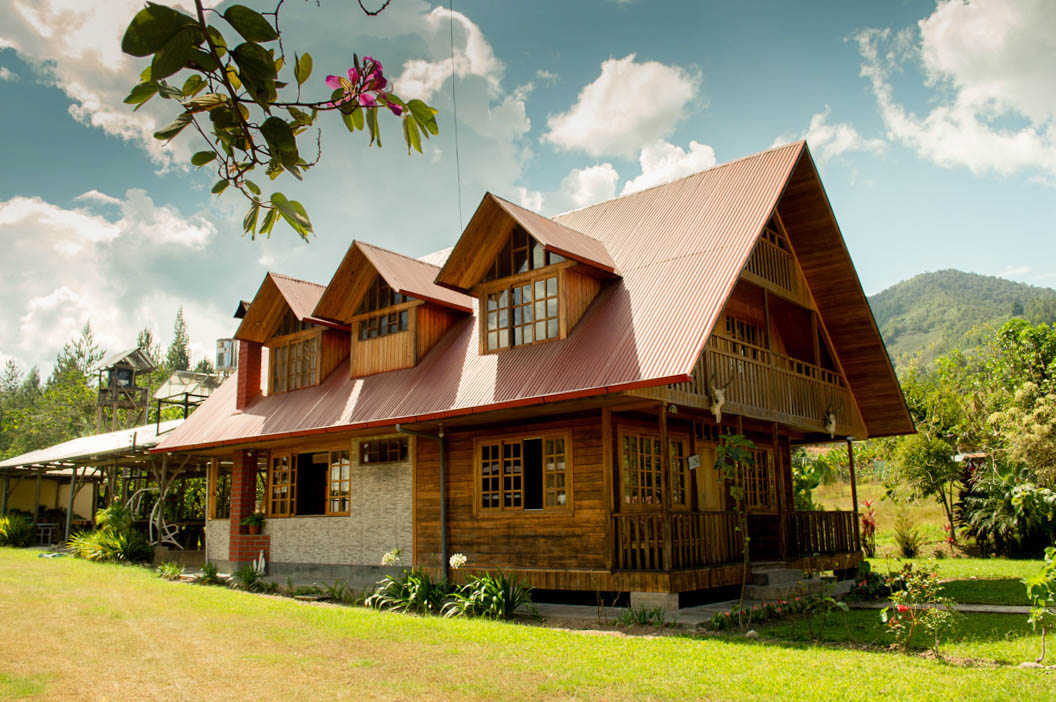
(439, 436)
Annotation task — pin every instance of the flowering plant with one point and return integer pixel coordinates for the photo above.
(456, 561)
(919, 604)
(391, 558)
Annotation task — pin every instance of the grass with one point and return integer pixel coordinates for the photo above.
(926, 514)
(996, 581)
(78, 630)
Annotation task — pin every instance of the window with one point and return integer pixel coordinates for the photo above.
(339, 483)
(383, 450)
(282, 487)
(759, 488)
(383, 325)
(289, 324)
(642, 470)
(294, 364)
(744, 331)
(379, 296)
(522, 253)
(523, 473)
(525, 313)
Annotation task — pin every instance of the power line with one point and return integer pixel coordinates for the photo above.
(454, 110)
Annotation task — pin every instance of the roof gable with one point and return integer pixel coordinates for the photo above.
(276, 294)
(408, 276)
(492, 225)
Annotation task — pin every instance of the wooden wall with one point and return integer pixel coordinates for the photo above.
(573, 540)
(334, 348)
(431, 323)
(382, 353)
(580, 290)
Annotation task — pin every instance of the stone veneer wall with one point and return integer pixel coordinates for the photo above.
(217, 539)
(380, 520)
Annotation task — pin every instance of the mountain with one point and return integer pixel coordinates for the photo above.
(934, 313)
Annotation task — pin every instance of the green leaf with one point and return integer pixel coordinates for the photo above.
(177, 126)
(302, 67)
(221, 186)
(294, 214)
(176, 52)
(281, 141)
(152, 28)
(425, 115)
(202, 157)
(300, 116)
(268, 223)
(141, 93)
(250, 24)
(256, 70)
(253, 188)
(350, 121)
(169, 92)
(250, 221)
(201, 61)
(144, 75)
(218, 40)
(192, 86)
(410, 134)
(372, 124)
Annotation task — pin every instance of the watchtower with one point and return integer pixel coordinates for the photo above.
(120, 395)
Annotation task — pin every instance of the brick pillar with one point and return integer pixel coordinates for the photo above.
(245, 547)
(249, 385)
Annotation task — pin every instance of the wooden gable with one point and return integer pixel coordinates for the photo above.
(272, 304)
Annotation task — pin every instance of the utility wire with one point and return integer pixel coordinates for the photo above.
(454, 110)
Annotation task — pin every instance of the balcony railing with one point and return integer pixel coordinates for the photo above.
(811, 533)
(761, 383)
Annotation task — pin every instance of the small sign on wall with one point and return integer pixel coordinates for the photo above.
(693, 462)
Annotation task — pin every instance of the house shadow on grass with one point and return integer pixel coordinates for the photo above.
(992, 591)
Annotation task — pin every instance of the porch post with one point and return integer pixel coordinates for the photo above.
(36, 496)
(3, 499)
(854, 492)
(243, 546)
(665, 488)
(69, 502)
(780, 465)
(607, 484)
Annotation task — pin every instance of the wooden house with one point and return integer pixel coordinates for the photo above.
(548, 398)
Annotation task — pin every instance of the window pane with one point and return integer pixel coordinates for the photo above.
(551, 286)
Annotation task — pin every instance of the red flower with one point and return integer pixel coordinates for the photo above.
(902, 609)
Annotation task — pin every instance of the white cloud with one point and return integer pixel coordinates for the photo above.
(94, 195)
(587, 186)
(992, 65)
(1015, 271)
(64, 267)
(627, 105)
(827, 141)
(663, 162)
(422, 78)
(547, 76)
(7, 74)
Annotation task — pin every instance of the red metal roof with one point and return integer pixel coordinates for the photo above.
(301, 295)
(558, 238)
(680, 249)
(413, 277)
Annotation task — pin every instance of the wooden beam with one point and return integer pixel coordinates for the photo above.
(69, 502)
(854, 492)
(3, 498)
(607, 481)
(665, 488)
(36, 497)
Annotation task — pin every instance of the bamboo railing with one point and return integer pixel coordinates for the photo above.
(812, 533)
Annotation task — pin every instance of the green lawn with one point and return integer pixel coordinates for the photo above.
(977, 580)
(78, 630)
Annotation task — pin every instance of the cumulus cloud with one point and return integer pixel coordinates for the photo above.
(7, 74)
(421, 78)
(992, 67)
(546, 76)
(66, 266)
(827, 141)
(627, 105)
(94, 195)
(662, 162)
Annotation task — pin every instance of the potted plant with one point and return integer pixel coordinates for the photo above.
(254, 522)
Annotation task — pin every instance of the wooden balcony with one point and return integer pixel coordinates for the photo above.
(765, 385)
(704, 539)
(775, 269)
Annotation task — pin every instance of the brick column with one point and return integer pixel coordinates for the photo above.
(249, 361)
(243, 546)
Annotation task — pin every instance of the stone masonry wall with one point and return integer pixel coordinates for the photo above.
(217, 538)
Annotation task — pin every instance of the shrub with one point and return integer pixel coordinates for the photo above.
(108, 545)
(1007, 513)
(170, 571)
(246, 578)
(410, 591)
(869, 585)
(1041, 589)
(116, 517)
(490, 596)
(759, 612)
(16, 530)
(907, 536)
(642, 616)
(920, 604)
(210, 575)
(339, 592)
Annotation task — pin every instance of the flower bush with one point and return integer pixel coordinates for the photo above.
(919, 604)
(759, 612)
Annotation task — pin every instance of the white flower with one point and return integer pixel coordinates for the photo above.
(456, 561)
(391, 558)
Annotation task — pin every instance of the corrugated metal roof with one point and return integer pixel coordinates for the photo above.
(680, 249)
(559, 238)
(301, 295)
(95, 447)
(413, 277)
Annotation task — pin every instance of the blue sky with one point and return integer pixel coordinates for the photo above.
(933, 125)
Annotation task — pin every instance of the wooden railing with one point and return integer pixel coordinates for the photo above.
(820, 532)
(697, 539)
(784, 388)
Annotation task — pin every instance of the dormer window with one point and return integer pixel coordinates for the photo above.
(524, 313)
(379, 297)
(522, 253)
(294, 364)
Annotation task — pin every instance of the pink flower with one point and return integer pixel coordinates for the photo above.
(396, 109)
(367, 100)
(334, 82)
(902, 609)
(353, 75)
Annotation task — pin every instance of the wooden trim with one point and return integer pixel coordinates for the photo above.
(327, 495)
(294, 337)
(641, 429)
(607, 468)
(567, 510)
(385, 310)
(482, 289)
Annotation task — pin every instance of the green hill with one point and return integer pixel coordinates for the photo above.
(933, 313)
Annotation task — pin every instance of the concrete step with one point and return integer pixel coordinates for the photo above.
(776, 576)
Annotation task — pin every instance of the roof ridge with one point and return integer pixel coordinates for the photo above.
(685, 177)
(397, 253)
(296, 280)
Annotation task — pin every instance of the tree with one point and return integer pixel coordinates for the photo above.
(78, 357)
(234, 80)
(927, 464)
(204, 366)
(146, 342)
(179, 355)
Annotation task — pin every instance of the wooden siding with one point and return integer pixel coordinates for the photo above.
(430, 323)
(334, 349)
(579, 291)
(524, 539)
(382, 353)
(347, 287)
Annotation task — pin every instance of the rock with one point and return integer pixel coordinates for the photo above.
(1030, 664)
(751, 634)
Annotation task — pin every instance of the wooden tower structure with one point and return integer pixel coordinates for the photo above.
(120, 392)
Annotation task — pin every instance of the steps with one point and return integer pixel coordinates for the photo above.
(780, 583)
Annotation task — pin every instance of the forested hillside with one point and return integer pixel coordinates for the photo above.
(933, 313)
